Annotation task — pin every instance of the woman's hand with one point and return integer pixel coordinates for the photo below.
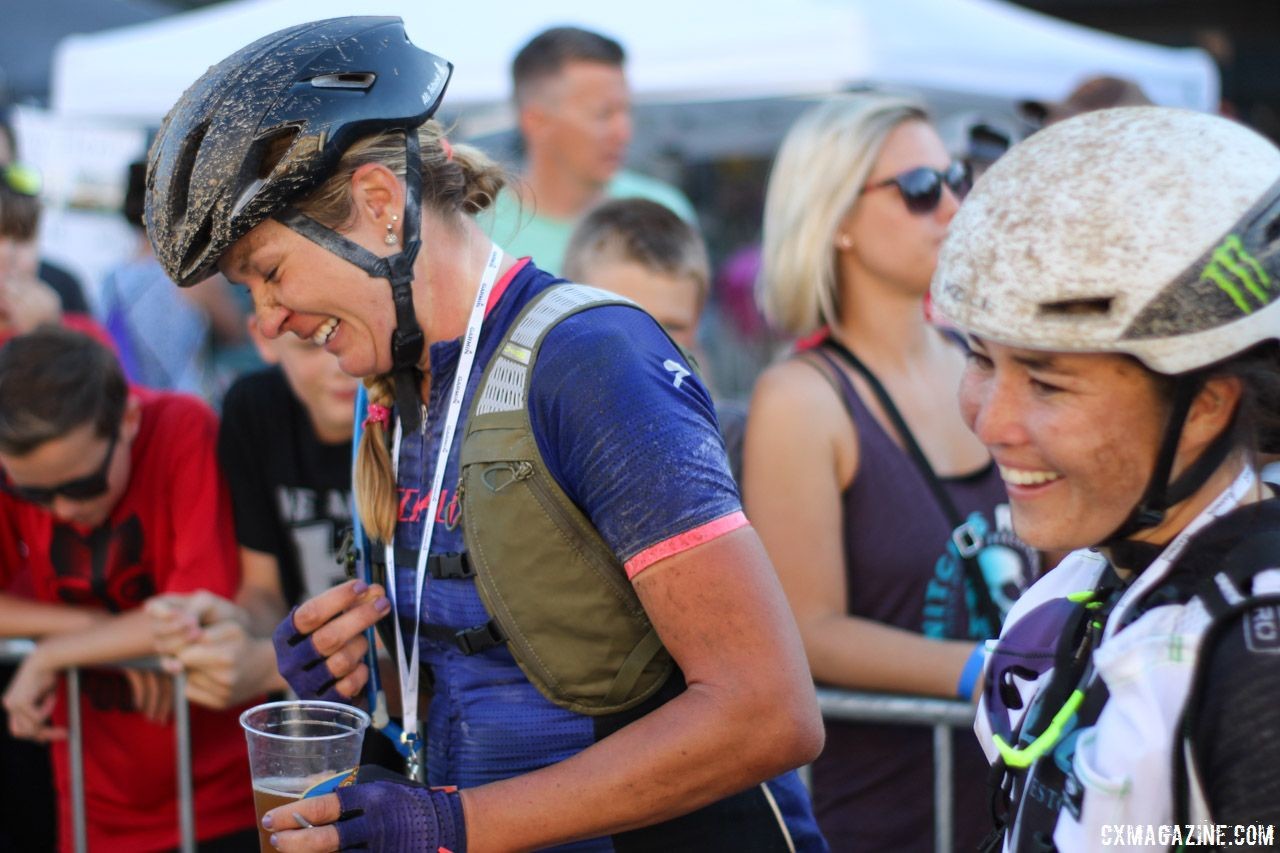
(383, 815)
(320, 646)
(30, 699)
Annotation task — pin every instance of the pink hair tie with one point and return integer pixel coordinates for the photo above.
(447, 148)
(378, 415)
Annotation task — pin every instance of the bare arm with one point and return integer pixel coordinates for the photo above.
(749, 713)
(30, 696)
(109, 640)
(24, 617)
(800, 454)
(261, 595)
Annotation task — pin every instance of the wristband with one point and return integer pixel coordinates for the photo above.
(971, 673)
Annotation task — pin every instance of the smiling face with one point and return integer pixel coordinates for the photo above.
(884, 239)
(301, 288)
(1075, 437)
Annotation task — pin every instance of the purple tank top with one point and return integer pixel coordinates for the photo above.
(873, 784)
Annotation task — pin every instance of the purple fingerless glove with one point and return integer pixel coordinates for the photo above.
(302, 665)
(401, 816)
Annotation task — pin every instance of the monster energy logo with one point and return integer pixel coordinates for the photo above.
(1239, 275)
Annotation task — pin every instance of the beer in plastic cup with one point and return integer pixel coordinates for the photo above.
(294, 746)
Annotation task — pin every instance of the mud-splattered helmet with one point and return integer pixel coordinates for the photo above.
(1144, 230)
(322, 85)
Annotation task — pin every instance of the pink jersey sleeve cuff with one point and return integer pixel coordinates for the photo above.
(684, 541)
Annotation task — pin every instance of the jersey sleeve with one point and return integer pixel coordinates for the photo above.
(1237, 731)
(629, 432)
(240, 450)
(204, 552)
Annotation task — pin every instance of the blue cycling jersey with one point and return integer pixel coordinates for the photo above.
(629, 433)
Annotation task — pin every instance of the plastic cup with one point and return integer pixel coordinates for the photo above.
(294, 746)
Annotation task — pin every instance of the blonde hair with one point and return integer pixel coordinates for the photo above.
(456, 179)
(817, 176)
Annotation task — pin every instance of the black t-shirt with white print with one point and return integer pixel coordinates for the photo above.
(291, 492)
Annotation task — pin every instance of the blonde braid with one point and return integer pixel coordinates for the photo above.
(375, 484)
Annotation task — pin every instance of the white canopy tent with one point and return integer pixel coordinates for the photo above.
(682, 51)
(712, 78)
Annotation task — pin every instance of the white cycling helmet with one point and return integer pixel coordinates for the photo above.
(1141, 230)
(1144, 231)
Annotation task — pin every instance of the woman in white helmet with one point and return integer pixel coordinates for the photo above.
(1117, 277)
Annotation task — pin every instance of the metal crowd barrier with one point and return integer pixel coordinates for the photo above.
(843, 705)
(941, 714)
(14, 650)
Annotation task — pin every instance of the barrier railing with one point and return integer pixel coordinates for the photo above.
(942, 715)
(14, 650)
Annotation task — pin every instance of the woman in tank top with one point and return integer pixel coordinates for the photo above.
(859, 201)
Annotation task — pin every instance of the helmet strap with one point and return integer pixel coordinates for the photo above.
(407, 341)
(1162, 494)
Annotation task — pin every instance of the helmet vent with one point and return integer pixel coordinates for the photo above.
(1094, 307)
(1272, 232)
(346, 80)
(180, 179)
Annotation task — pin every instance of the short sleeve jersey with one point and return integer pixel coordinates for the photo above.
(290, 491)
(171, 531)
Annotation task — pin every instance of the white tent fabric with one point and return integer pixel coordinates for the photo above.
(679, 50)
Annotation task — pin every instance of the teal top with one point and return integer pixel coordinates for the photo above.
(523, 233)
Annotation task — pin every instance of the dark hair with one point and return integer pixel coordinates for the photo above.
(19, 213)
(550, 50)
(640, 230)
(1257, 422)
(135, 194)
(53, 380)
(1256, 426)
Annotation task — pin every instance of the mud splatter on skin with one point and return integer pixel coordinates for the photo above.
(1097, 208)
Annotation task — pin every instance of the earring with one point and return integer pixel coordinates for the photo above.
(390, 239)
(844, 241)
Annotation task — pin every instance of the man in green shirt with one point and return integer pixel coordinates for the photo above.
(575, 116)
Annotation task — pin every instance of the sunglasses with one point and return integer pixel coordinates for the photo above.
(23, 180)
(80, 489)
(921, 188)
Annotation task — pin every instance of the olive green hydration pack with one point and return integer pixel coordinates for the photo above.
(555, 593)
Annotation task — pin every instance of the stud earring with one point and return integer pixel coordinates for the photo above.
(390, 239)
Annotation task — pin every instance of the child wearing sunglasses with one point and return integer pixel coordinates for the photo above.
(108, 496)
(860, 198)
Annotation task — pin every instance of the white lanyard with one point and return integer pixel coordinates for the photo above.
(1153, 574)
(407, 664)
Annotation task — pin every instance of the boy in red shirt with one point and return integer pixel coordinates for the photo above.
(111, 495)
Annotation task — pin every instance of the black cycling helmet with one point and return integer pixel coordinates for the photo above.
(324, 84)
(321, 86)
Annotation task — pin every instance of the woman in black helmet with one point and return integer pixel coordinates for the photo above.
(305, 167)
